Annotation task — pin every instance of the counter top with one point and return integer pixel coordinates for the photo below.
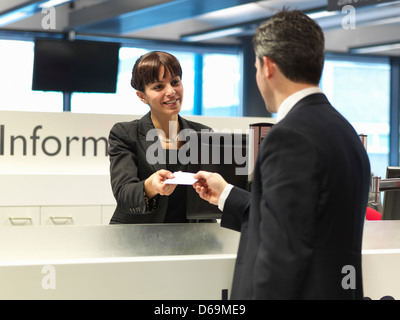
(122, 241)
(114, 241)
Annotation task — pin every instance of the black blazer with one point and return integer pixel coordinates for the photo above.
(302, 223)
(129, 168)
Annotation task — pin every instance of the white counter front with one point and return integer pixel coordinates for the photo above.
(191, 261)
(381, 260)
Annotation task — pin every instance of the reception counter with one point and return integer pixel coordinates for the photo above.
(191, 261)
(381, 260)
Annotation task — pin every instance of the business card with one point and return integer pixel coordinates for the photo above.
(182, 178)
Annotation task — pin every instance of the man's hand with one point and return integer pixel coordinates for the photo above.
(209, 186)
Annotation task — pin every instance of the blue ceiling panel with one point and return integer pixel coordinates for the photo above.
(166, 12)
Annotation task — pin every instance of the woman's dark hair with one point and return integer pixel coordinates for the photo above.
(147, 68)
(295, 43)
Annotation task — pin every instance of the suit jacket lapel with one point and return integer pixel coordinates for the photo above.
(145, 125)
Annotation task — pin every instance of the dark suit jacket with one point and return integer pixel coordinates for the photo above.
(129, 168)
(302, 223)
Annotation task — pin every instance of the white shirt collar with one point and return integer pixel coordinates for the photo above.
(291, 101)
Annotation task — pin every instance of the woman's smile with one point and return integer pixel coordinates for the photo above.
(171, 103)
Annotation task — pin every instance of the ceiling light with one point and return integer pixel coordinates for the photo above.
(321, 14)
(26, 10)
(12, 17)
(376, 48)
(212, 34)
(52, 3)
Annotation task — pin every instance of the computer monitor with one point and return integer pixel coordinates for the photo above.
(391, 198)
(223, 152)
(75, 66)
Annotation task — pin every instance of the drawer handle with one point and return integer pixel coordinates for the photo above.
(61, 220)
(20, 221)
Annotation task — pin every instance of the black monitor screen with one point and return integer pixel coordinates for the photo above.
(224, 153)
(75, 66)
(391, 199)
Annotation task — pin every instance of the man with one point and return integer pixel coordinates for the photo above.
(301, 225)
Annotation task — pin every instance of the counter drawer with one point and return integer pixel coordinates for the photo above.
(19, 216)
(70, 215)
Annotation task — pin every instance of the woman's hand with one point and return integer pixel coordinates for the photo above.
(154, 184)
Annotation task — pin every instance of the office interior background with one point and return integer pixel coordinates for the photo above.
(212, 40)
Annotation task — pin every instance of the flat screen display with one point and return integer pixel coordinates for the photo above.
(75, 66)
(391, 198)
(224, 153)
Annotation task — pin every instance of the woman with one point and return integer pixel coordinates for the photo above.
(138, 185)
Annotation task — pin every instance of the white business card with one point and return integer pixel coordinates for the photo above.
(182, 178)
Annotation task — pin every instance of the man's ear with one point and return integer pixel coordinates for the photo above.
(269, 67)
(141, 96)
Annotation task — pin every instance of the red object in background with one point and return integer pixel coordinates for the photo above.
(372, 214)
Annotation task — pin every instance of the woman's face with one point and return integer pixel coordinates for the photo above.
(164, 96)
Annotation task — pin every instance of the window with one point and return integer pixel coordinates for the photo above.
(220, 91)
(221, 85)
(219, 94)
(125, 101)
(16, 67)
(359, 88)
